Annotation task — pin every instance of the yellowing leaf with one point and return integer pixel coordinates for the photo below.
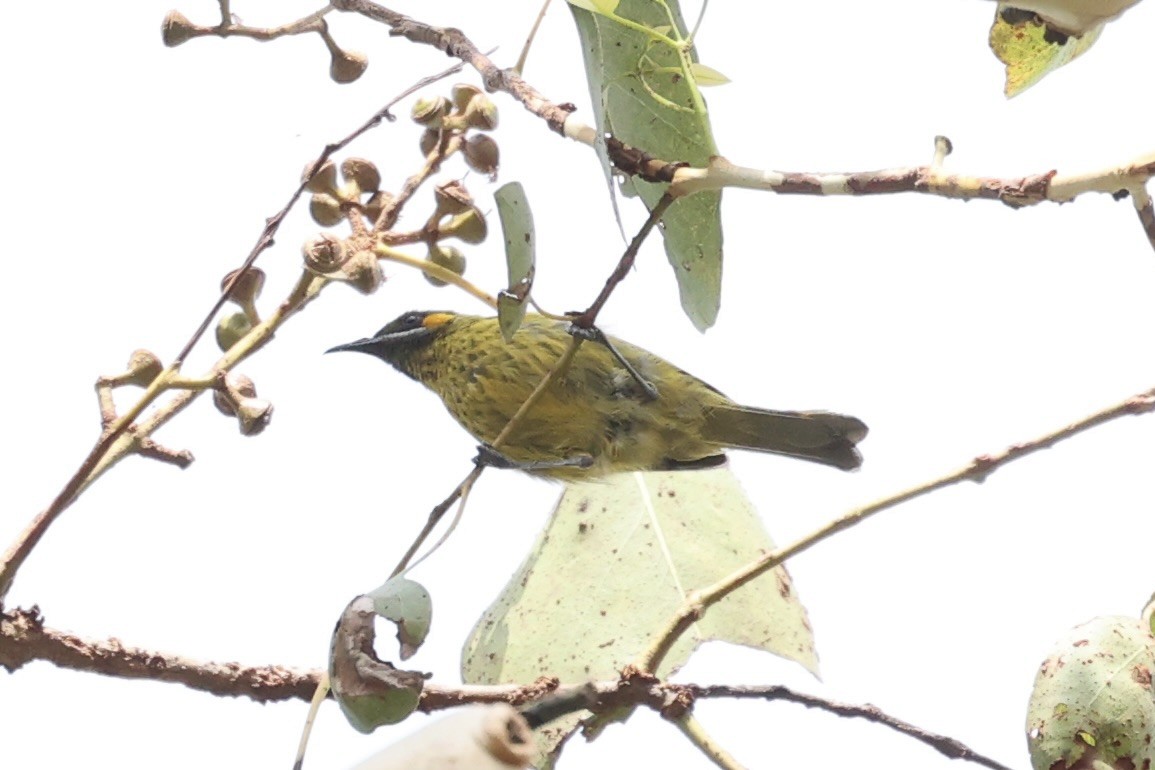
(707, 76)
(1031, 49)
(615, 561)
(606, 7)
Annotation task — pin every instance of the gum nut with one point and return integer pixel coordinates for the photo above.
(361, 173)
(377, 204)
(324, 181)
(324, 254)
(429, 139)
(176, 29)
(482, 155)
(144, 367)
(463, 93)
(447, 257)
(481, 113)
(254, 414)
(241, 385)
(231, 329)
(223, 404)
(363, 273)
(429, 112)
(452, 197)
(347, 66)
(469, 227)
(248, 287)
(325, 210)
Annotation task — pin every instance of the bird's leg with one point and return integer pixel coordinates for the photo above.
(594, 334)
(487, 455)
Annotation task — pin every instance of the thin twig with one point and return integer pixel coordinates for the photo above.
(944, 744)
(519, 68)
(114, 440)
(697, 735)
(586, 320)
(976, 470)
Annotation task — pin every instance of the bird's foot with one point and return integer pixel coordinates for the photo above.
(488, 456)
(594, 334)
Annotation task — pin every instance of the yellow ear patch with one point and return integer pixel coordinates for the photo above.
(437, 320)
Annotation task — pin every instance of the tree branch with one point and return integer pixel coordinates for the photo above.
(977, 470)
(25, 638)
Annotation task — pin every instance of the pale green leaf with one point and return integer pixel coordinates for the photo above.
(606, 7)
(708, 76)
(644, 94)
(615, 561)
(1031, 49)
(370, 691)
(1091, 704)
(407, 604)
(517, 228)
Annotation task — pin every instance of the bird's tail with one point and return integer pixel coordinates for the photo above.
(822, 437)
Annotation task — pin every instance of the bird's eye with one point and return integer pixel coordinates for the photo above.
(412, 320)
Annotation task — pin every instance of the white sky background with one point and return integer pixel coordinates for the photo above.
(137, 176)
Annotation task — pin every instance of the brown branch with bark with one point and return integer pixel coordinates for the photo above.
(24, 638)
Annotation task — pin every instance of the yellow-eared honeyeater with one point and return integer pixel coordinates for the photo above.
(598, 410)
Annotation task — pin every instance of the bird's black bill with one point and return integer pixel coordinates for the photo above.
(358, 346)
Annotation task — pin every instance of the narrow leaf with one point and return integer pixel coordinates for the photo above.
(708, 76)
(517, 228)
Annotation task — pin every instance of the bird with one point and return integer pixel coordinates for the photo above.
(600, 417)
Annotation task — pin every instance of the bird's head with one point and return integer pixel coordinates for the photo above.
(399, 339)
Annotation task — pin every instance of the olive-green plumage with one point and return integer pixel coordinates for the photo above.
(598, 409)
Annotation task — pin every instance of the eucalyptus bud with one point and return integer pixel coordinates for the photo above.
(324, 254)
(463, 94)
(361, 173)
(469, 227)
(325, 210)
(231, 329)
(447, 257)
(481, 113)
(430, 112)
(324, 181)
(143, 368)
(482, 155)
(429, 139)
(176, 29)
(347, 66)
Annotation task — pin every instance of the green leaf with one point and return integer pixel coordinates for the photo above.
(1091, 704)
(370, 691)
(606, 7)
(615, 561)
(639, 70)
(517, 228)
(708, 76)
(1031, 49)
(409, 606)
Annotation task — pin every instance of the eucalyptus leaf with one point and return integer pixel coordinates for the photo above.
(369, 691)
(407, 604)
(1031, 49)
(1091, 705)
(520, 255)
(615, 561)
(640, 71)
